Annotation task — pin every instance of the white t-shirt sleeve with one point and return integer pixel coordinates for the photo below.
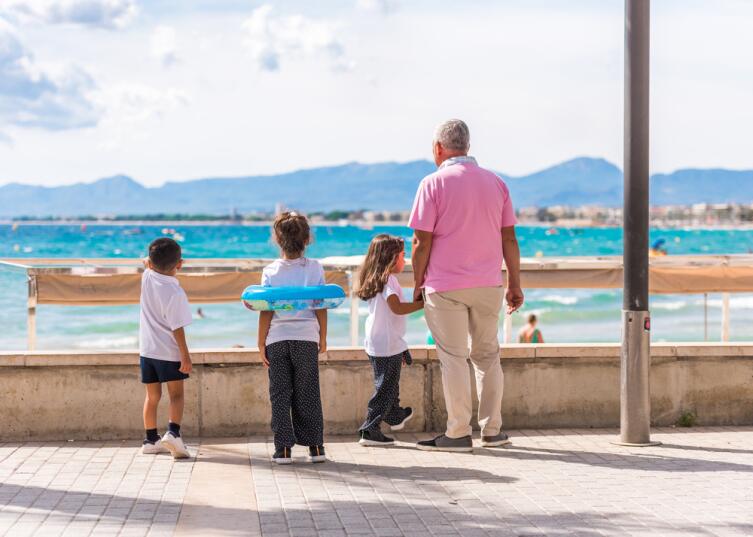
(178, 313)
(320, 270)
(266, 280)
(392, 288)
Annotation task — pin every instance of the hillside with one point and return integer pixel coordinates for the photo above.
(383, 186)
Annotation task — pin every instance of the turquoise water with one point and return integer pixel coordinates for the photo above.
(565, 315)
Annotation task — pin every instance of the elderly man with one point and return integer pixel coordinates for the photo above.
(464, 224)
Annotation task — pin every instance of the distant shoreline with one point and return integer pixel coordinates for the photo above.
(191, 223)
(363, 224)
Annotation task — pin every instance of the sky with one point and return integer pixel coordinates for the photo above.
(166, 90)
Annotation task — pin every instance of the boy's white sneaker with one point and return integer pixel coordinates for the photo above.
(153, 448)
(175, 445)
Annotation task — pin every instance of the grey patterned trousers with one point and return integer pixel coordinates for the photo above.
(294, 393)
(384, 405)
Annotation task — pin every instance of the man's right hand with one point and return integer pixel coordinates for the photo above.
(514, 298)
(263, 355)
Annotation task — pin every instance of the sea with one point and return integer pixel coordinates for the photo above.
(565, 315)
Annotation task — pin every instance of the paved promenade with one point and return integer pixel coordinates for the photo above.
(567, 482)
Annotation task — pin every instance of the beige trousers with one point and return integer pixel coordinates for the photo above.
(452, 316)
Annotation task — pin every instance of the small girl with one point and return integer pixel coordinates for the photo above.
(290, 343)
(385, 336)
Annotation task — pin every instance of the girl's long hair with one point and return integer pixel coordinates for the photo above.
(377, 267)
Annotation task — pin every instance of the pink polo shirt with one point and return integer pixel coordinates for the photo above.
(465, 207)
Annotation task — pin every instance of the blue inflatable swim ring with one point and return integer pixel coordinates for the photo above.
(315, 297)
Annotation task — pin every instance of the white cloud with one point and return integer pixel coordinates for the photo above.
(60, 96)
(541, 82)
(129, 106)
(382, 6)
(274, 39)
(96, 13)
(55, 97)
(134, 103)
(164, 45)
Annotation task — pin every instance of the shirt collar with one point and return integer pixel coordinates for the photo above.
(163, 277)
(297, 261)
(458, 160)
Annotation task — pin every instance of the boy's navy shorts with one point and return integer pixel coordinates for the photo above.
(160, 371)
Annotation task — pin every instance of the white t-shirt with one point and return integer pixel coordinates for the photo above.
(164, 308)
(385, 331)
(299, 325)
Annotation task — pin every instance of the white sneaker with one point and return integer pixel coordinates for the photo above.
(155, 448)
(175, 445)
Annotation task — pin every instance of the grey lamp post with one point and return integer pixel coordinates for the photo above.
(635, 358)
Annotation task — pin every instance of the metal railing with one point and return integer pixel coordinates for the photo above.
(541, 273)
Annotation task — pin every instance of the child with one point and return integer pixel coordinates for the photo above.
(385, 336)
(290, 343)
(162, 339)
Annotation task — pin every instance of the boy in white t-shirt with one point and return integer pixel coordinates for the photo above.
(165, 313)
(385, 336)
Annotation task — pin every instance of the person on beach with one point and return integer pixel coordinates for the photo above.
(385, 336)
(165, 313)
(464, 225)
(290, 344)
(529, 333)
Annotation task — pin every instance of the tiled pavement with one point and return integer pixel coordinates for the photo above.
(566, 482)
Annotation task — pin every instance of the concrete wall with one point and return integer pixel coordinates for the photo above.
(92, 395)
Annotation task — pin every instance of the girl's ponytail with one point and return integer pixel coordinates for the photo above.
(292, 233)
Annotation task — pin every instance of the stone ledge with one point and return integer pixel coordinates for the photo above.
(52, 395)
(421, 354)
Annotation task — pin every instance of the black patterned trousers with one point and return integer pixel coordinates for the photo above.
(294, 393)
(384, 405)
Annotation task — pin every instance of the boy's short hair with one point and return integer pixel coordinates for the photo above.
(532, 318)
(164, 253)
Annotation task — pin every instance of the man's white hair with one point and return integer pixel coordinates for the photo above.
(453, 134)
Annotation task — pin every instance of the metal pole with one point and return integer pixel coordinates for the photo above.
(507, 328)
(705, 316)
(354, 319)
(725, 317)
(31, 314)
(635, 359)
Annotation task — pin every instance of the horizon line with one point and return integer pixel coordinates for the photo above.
(350, 163)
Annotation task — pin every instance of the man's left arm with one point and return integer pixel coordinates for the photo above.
(421, 250)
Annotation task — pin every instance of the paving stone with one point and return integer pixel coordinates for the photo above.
(568, 482)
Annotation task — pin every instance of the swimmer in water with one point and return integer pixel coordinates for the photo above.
(657, 248)
(200, 313)
(529, 333)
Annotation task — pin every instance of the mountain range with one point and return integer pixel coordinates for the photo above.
(382, 186)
